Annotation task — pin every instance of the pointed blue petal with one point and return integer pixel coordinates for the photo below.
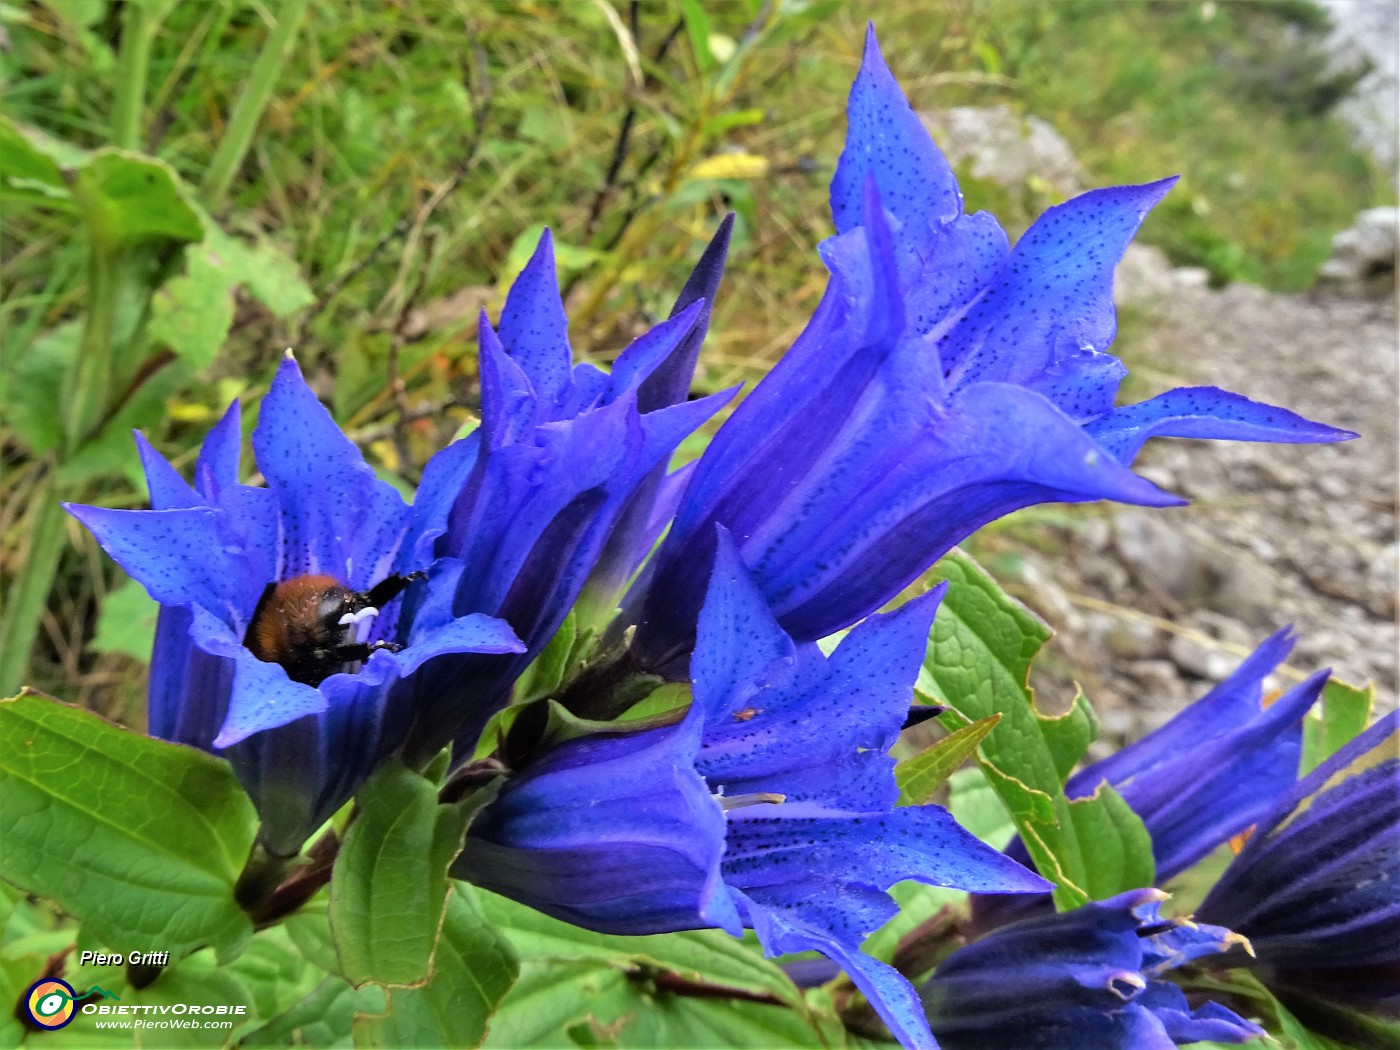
(1055, 291)
(899, 491)
(320, 479)
(533, 326)
(1082, 384)
(1211, 1022)
(262, 696)
(469, 634)
(664, 429)
(805, 843)
(168, 490)
(670, 383)
(189, 688)
(179, 556)
(636, 365)
(1229, 782)
(444, 477)
(887, 140)
(822, 734)
(372, 547)
(960, 259)
(1231, 705)
(509, 406)
(887, 990)
(217, 466)
(1205, 412)
(737, 637)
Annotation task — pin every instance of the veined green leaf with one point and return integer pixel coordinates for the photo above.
(140, 839)
(473, 969)
(1344, 714)
(919, 777)
(390, 884)
(978, 663)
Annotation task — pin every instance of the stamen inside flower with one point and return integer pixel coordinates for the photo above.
(360, 623)
(756, 798)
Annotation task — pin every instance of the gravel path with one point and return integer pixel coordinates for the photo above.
(1152, 607)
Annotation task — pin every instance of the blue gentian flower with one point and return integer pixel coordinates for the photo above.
(567, 458)
(1210, 773)
(208, 553)
(1317, 887)
(1090, 977)
(945, 380)
(770, 805)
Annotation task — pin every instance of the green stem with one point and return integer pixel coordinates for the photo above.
(89, 380)
(29, 590)
(138, 31)
(251, 103)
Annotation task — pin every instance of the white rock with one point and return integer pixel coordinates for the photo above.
(1366, 248)
(1005, 147)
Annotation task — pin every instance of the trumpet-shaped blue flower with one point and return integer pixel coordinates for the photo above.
(1090, 977)
(945, 380)
(558, 486)
(209, 552)
(1317, 887)
(771, 805)
(1210, 773)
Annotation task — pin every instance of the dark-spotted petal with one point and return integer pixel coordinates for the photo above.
(1205, 412)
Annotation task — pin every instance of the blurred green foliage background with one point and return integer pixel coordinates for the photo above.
(358, 179)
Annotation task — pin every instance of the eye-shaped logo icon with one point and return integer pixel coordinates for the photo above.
(49, 1003)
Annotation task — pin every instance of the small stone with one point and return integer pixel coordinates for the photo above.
(1006, 148)
(1199, 659)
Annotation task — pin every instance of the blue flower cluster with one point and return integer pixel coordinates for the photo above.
(314, 626)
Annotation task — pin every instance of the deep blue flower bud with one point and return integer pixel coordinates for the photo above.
(1208, 774)
(944, 381)
(1317, 887)
(246, 661)
(771, 805)
(1090, 977)
(563, 483)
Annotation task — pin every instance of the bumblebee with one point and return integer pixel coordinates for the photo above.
(309, 624)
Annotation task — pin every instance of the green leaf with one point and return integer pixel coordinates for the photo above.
(977, 807)
(550, 997)
(32, 163)
(919, 777)
(310, 930)
(128, 198)
(546, 672)
(1115, 844)
(390, 885)
(270, 275)
(709, 957)
(192, 313)
(322, 1018)
(1069, 735)
(697, 30)
(38, 370)
(589, 1003)
(1345, 712)
(127, 622)
(978, 663)
(473, 970)
(140, 839)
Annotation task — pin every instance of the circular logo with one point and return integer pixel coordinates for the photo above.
(49, 1003)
